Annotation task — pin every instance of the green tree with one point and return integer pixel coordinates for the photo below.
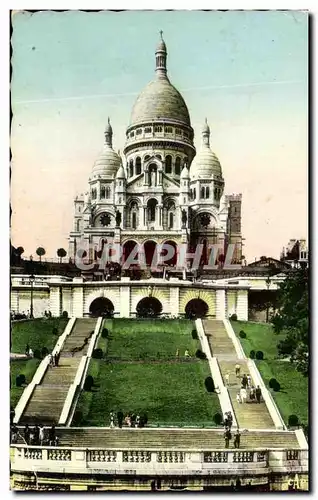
(61, 253)
(292, 319)
(40, 251)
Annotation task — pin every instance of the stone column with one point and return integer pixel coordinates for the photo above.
(55, 300)
(174, 301)
(98, 190)
(124, 302)
(15, 301)
(220, 303)
(78, 302)
(242, 305)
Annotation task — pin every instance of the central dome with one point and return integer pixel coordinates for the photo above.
(160, 101)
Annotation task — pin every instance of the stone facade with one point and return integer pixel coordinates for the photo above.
(159, 190)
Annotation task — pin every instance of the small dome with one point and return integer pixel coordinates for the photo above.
(120, 173)
(206, 163)
(107, 163)
(185, 173)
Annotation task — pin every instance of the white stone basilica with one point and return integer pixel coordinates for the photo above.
(163, 191)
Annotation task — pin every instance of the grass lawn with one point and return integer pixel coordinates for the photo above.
(170, 392)
(292, 399)
(17, 367)
(37, 333)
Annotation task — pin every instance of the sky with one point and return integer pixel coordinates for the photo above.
(247, 72)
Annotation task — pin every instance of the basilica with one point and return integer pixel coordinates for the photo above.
(160, 190)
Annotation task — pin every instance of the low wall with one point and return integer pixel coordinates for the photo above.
(268, 398)
(237, 344)
(223, 394)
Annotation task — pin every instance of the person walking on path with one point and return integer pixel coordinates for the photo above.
(27, 434)
(249, 380)
(243, 394)
(244, 381)
(227, 437)
(258, 394)
(237, 370)
(227, 378)
(238, 398)
(237, 439)
(41, 435)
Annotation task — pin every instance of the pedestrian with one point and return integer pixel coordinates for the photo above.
(226, 421)
(227, 438)
(187, 354)
(258, 394)
(120, 418)
(41, 435)
(112, 424)
(238, 398)
(137, 421)
(237, 439)
(237, 370)
(252, 393)
(12, 415)
(31, 353)
(244, 381)
(230, 419)
(249, 380)
(243, 394)
(27, 349)
(177, 353)
(52, 435)
(56, 359)
(27, 434)
(14, 434)
(227, 378)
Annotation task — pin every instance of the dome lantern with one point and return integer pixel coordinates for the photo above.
(109, 134)
(161, 58)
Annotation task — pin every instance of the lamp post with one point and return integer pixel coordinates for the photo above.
(32, 279)
(268, 284)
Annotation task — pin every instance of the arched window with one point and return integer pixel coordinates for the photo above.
(138, 165)
(107, 193)
(94, 194)
(215, 193)
(178, 165)
(102, 192)
(194, 193)
(134, 220)
(171, 220)
(207, 192)
(147, 157)
(151, 205)
(202, 193)
(131, 168)
(78, 222)
(168, 164)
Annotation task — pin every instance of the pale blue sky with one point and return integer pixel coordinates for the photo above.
(245, 71)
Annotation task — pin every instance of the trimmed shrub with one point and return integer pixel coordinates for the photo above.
(89, 382)
(272, 383)
(104, 333)
(259, 355)
(55, 331)
(64, 314)
(293, 421)
(20, 380)
(194, 334)
(78, 417)
(37, 354)
(199, 354)
(276, 387)
(44, 352)
(97, 354)
(218, 418)
(252, 354)
(233, 317)
(209, 384)
(242, 334)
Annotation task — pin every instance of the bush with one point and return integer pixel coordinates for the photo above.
(37, 354)
(89, 382)
(293, 421)
(218, 419)
(252, 354)
(194, 334)
(20, 380)
(104, 333)
(259, 355)
(44, 352)
(97, 354)
(233, 317)
(78, 418)
(199, 354)
(272, 383)
(242, 334)
(209, 384)
(276, 386)
(55, 331)
(64, 314)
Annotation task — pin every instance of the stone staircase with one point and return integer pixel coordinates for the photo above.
(47, 401)
(250, 415)
(170, 439)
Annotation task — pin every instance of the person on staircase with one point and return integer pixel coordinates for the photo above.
(249, 380)
(41, 435)
(244, 381)
(237, 370)
(227, 378)
(258, 394)
(120, 418)
(26, 434)
(52, 436)
(243, 394)
(36, 435)
(237, 438)
(227, 437)
(27, 349)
